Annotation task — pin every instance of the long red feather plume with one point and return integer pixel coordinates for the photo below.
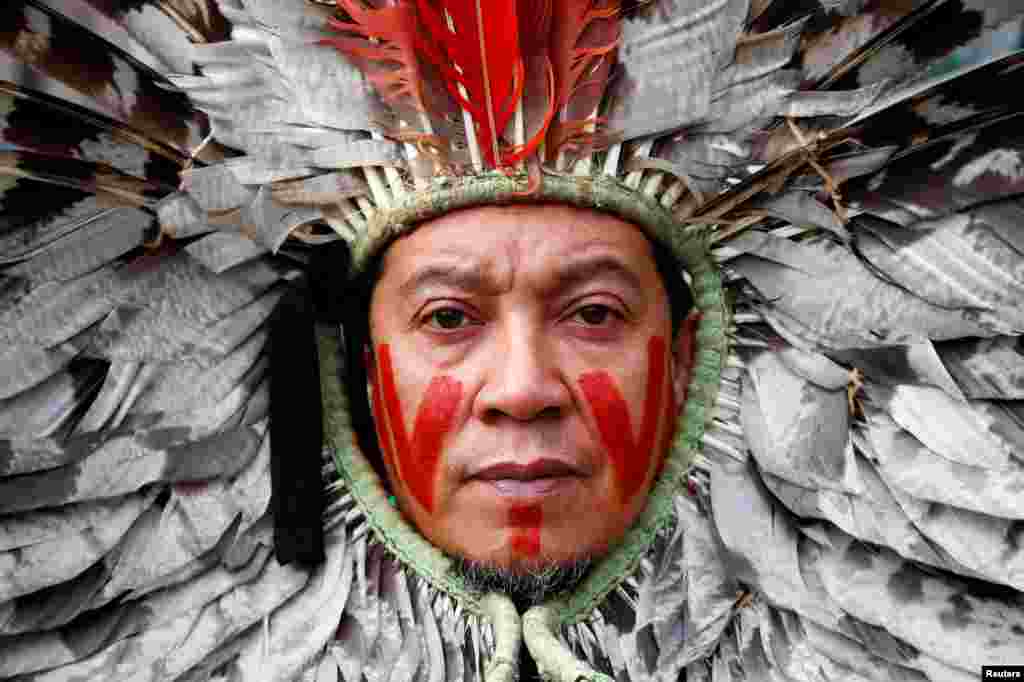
(488, 53)
(475, 46)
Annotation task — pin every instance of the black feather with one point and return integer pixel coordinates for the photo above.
(31, 202)
(59, 49)
(43, 123)
(296, 432)
(212, 25)
(328, 281)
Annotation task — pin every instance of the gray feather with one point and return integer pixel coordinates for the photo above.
(803, 210)
(762, 541)
(57, 311)
(907, 464)
(222, 251)
(826, 297)
(273, 222)
(117, 386)
(805, 427)
(301, 629)
(189, 385)
(111, 235)
(23, 366)
(329, 91)
(124, 463)
(68, 552)
(954, 262)
(939, 615)
(915, 364)
(986, 368)
(193, 521)
(669, 56)
(976, 433)
(40, 651)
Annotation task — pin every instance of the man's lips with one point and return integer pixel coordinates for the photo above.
(537, 469)
(531, 480)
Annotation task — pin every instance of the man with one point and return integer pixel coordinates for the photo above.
(539, 464)
(526, 366)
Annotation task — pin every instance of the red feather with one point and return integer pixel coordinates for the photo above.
(480, 53)
(583, 42)
(488, 52)
(390, 64)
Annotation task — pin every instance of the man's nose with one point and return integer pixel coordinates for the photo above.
(523, 380)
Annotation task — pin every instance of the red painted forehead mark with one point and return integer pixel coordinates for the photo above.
(630, 457)
(525, 521)
(416, 460)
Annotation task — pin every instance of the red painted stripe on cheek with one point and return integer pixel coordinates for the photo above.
(630, 458)
(383, 433)
(434, 420)
(656, 361)
(418, 459)
(613, 423)
(392, 406)
(525, 521)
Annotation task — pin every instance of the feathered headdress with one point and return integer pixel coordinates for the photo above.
(840, 180)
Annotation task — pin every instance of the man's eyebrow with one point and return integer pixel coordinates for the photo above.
(458, 276)
(581, 270)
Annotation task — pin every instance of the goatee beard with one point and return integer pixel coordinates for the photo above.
(526, 586)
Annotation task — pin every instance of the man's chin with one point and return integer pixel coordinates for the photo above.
(526, 581)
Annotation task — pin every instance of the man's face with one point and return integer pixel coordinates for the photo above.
(524, 381)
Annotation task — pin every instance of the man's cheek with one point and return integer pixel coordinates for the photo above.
(630, 456)
(417, 459)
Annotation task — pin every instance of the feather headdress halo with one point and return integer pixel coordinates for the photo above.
(846, 175)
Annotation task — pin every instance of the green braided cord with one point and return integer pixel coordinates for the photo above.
(690, 245)
(554, 661)
(507, 628)
(363, 483)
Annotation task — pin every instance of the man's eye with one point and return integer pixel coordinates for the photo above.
(594, 314)
(448, 318)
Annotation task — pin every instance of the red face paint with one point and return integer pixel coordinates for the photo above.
(629, 457)
(417, 459)
(383, 434)
(525, 534)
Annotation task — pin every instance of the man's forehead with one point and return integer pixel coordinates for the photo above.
(489, 248)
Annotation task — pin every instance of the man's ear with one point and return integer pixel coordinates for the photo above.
(684, 353)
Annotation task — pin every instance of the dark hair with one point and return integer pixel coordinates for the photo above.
(353, 312)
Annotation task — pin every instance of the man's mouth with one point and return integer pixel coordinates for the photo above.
(539, 477)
